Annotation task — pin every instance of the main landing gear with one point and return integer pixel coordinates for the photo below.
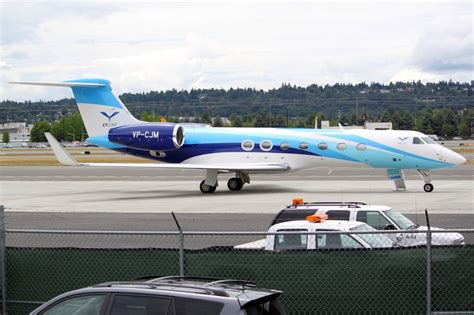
(210, 184)
(207, 189)
(428, 186)
(235, 183)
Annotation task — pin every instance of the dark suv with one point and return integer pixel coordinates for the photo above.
(167, 296)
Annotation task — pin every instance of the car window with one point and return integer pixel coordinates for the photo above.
(373, 218)
(348, 241)
(338, 215)
(402, 221)
(291, 241)
(292, 215)
(141, 305)
(186, 306)
(272, 307)
(78, 305)
(335, 241)
(374, 240)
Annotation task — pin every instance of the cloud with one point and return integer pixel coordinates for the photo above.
(446, 46)
(181, 45)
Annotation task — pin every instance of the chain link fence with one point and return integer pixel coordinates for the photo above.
(337, 274)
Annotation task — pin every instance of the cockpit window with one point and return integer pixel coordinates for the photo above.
(429, 140)
(417, 140)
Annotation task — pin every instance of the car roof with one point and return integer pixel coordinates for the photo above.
(364, 208)
(337, 225)
(330, 205)
(246, 292)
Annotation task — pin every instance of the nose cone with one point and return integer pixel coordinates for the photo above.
(455, 158)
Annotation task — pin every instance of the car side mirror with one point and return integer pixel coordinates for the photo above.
(389, 227)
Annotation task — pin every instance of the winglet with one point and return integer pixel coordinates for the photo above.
(62, 156)
(340, 126)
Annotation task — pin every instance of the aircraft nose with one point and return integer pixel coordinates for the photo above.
(456, 158)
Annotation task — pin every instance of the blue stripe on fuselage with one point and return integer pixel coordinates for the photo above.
(200, 141)
(103, 141)
(359, 139)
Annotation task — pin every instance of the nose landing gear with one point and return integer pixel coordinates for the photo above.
(428, 186)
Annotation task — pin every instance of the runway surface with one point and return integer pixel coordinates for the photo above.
(75, 198)
(66, 173)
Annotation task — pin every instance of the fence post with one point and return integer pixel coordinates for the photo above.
(428, 264)
(181, 246)
(3, 278)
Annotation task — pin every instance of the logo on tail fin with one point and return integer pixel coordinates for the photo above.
(111, 115)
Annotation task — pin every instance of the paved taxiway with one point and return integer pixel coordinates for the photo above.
(123, 199)
(117, 190)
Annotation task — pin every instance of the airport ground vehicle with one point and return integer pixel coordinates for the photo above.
(377, 216)
(167, 296)
(288, 235)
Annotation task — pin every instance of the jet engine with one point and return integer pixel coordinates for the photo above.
(149, 136)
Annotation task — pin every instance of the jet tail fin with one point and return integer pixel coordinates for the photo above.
(62, 156)
(100, 109)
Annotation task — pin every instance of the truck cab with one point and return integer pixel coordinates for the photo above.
(315, 232)
(377, 216)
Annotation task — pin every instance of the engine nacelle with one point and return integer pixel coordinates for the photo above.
(149, 136)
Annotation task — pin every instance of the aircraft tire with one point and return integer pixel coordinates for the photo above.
(428, 187)
(206, 189)
(235, 184)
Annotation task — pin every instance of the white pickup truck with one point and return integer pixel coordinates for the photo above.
(377, 216)
(297, 235)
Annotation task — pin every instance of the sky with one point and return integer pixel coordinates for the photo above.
(161, 45)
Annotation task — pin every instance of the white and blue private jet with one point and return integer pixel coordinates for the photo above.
(245, 151)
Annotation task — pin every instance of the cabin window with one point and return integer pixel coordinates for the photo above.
(361, 146)
(428, 140)
(341, 146)
(417, 140)
(248, 145)
(284, 145)
(323, 146)
(266, 145)
(304, 146)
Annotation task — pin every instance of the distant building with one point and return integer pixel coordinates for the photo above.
(367, 125)
(19, 131)
(378, 125)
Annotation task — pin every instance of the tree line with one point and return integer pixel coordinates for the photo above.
(443, 108)
(68, 128)
(443, 122)
(287, 100)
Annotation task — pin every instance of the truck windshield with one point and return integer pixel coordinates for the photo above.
(402, 221)
(374, 240)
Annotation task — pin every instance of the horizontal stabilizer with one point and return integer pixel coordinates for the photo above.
(62, 156)
(61, 84)
(257, 167)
